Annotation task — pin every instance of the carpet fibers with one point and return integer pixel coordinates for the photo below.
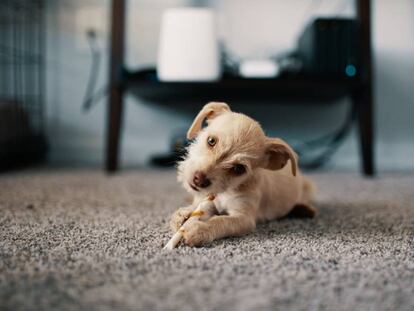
(82, 241)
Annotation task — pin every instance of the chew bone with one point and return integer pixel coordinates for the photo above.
(205, 210)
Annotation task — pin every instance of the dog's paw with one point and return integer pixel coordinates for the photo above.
(197, 233)
(179, 217)
(302, 211)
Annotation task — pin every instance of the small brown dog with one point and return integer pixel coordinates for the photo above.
(254, 178)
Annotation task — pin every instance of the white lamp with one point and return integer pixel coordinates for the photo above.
(188, 46)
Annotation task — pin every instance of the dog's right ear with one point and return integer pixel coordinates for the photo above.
(209, 111)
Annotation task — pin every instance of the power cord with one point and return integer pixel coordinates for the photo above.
(330, 142)
(91, 97)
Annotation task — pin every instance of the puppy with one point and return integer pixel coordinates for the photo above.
(254, 178)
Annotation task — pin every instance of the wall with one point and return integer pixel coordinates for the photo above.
(249, 28)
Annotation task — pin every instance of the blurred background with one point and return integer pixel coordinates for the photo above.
(90, 87)
(55, 55)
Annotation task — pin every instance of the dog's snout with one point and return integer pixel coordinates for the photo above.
(200, 180)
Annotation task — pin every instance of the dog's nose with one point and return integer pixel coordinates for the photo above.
(200, 180)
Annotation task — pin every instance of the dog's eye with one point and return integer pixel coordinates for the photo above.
(211, 141)
(238, 169)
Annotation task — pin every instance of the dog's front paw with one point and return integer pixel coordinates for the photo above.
(179, 217)
(197, 233)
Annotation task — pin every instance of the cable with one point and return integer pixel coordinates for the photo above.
(90, 98)
(331, 142)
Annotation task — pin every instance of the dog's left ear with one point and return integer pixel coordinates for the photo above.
(209, 111)
(277, 154)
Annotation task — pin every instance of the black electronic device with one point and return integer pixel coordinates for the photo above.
(329, 47)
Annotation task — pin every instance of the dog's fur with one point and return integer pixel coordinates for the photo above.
(270, 188)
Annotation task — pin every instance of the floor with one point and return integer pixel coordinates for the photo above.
(78, 240)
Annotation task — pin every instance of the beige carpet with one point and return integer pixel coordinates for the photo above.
(82, 241)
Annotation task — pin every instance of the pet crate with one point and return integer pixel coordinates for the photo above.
(22, 82)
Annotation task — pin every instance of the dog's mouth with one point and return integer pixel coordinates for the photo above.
(193, 187)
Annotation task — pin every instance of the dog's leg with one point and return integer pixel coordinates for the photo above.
(217, 227)
(180, 216)
(304, 208)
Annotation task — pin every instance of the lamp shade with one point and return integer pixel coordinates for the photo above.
(188, 46)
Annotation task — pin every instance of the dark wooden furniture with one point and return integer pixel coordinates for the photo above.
(294, 88)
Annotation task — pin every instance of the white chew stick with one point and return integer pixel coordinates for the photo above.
(205, 210)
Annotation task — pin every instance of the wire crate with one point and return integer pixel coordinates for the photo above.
(22, 82)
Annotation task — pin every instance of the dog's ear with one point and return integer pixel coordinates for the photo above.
(277, 154)
(209, 111)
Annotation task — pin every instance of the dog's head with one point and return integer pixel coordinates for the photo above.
(226, 152)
